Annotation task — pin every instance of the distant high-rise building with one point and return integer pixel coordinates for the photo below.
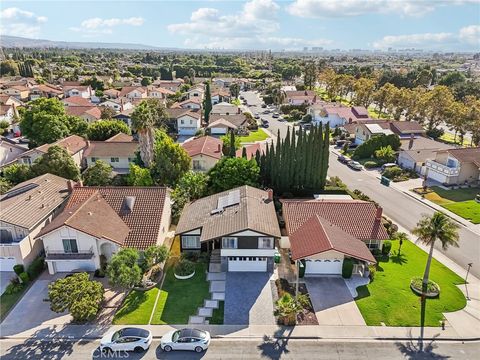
(305, 48)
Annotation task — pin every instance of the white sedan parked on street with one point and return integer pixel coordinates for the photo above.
(126, 339)
(185, 339)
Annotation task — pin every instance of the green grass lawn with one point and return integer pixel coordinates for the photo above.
(458, 201)
(390, 300)
(136, 308)
(450, 138)
(258, 135)
(8, 301)
(181, 298)
(217, 316)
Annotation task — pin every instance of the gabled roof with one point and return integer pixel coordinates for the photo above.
(193, 100)
(205, 145)
(317, 235)
(128, 89)
(466, 155)
(252, 212)
(144, 220)
(76, 87)
(234, 119)
(406, 127)
(422, 143)
(73, 144)
(360, 219)
(120, 137)
(221, 123)
(252, 150)
(31, 201)
(123, 149)
(83, 110)
(175, 113)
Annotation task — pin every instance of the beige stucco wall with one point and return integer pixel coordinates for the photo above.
(468, 172)
(330, 254)
(122, 163)
(207, 162)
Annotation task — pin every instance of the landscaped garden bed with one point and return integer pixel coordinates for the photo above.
(253, 136)
(388, 299)
(416, 284)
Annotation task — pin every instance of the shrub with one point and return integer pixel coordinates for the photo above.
(368, 148)
(370, 164)
(24, 277)
(99, 273)
(19, 268)
(36, 267)
(347, 268)
(184, 267)
(392, 172)
(432, 286)
(376, 252)
(190, 256)
(283, 287)
(387, 246)
(372, 271)
(14, 288)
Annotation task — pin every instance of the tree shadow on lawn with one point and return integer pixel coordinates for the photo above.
(362, 292)
(132, 303)
(399, 258)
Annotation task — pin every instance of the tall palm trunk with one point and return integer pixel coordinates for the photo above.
(427, 270)
(146, 139)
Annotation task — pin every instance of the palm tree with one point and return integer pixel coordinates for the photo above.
(148, 115)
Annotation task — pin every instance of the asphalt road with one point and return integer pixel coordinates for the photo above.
(246, 349)
(401, 208)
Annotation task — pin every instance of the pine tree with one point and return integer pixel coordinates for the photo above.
(325, 156)
(207, 103)
(232, 150)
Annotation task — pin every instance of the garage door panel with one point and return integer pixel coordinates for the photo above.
(67, 266)
(247, 264)
(7, 263)
(324, 266)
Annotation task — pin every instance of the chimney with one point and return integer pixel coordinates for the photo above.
(88, 143)
(378, 214)
(269, 194)
(410, 143)
(70, 185)
(79, 183)
(219, 148)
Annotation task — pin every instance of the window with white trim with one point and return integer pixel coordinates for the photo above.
(373, 244)
(190, 242)
(114, 159)
(229, 243)
(265, 243)
(70, 245)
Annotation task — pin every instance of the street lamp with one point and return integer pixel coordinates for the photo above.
(466, 277)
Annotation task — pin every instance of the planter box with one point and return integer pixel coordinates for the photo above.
(179, 277)
(428, 294)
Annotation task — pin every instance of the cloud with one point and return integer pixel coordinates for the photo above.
(346, 8)
(466, 35)
(252, 27)
(96, 26)
(18, 22)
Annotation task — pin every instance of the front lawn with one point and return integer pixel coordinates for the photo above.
(458, 201)
(181, 298)
(136, 308)
(217, 316)
(389, 299)
(254, 136)
(7, 301)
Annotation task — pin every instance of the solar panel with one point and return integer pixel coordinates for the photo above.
(232, 198)
(19, 191)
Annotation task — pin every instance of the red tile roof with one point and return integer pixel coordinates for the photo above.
(120, 137)
(205, 145)
(317, 235)
(355, 217)
(73, 144)
(252, 150)
(468, 155)
(82, 110)
(144, 221)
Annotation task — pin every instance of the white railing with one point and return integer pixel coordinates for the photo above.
(433, 165)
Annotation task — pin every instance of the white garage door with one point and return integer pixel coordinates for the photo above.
(7, 263)
(66, 266)
(247, 263)
(437, 176)
(323, 266)
(218, 131)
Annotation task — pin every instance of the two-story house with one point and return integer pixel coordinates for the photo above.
(323, 232)
(133, 92)
(225, 108)
(196, 92)
(25, 210)
(118, 104)
(98, 221)
(84, 91)
(221, 124)
(159, 93)
(455, 166)
(193, 104)
(9, 150)
(205, 151)
(88, 113)
(308, 97)
(117, 153)
(238, 226)
(336, 114)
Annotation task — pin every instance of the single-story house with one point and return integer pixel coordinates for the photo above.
(26, 209)
(219, 96)
(159, 93)
(300, 97)
(455, 166)
(125, 116)
(88, 113)
(172, 85)
(76, 101)
(365, 131)
(84, 91)
(193, 103)
(204, 151)
(111, 93)
(45, 91)
(225, 108)
(336, 114)
(118, 154)
(118, 104)
(221, 124)
(133, 92)
(322, 233)
(19, 92)
(9, 100)
(98, 221)
(239, 226)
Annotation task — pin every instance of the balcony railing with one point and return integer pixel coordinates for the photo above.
(54, 254)
(433, 165)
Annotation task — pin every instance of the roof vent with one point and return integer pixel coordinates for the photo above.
(129, 203)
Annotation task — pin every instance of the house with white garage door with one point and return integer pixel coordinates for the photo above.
(322, 233)
(25, 210)
(98, 221)
(238, 226)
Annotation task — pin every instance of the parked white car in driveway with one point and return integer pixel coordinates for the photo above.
(185, 339)
(126, 339)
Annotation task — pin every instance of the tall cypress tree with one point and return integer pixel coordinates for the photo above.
(325, 156)
(232, 150)
(244, 153)
(207, 103)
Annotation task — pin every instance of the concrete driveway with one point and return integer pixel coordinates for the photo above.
(332, 301)
(32, 311)
(248, 299)
(5, 277)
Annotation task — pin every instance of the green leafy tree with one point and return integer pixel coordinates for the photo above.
(232, 172)
(98, 174)
(155, 254)
(9, 67)
(170, 160)
(45, 121)
(385, 153)
(191, 186)
(227, 143)
(56, 161)
(107, 113)
(235, 90)
(139, 176)
(76, 294)
(147, 116)
(123, 269)
(4, 185)
(146, 81)
(207, 103)
(105, 129)
(17, 173)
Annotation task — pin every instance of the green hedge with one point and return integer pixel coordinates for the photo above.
(368, 148)
(387, 246)
(347, 268)
(36, 267)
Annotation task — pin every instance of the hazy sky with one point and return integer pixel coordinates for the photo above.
(255, 24)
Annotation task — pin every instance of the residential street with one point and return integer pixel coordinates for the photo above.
(245, 349)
